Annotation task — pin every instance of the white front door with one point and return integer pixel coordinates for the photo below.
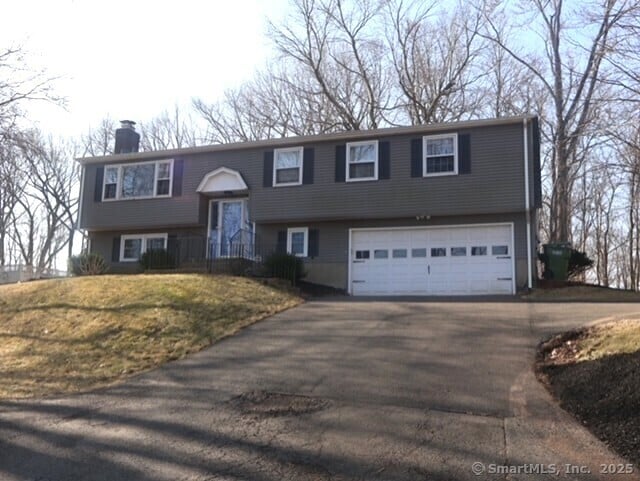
(460, 260)
(228, 226)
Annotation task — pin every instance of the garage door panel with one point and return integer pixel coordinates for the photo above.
(459, 260)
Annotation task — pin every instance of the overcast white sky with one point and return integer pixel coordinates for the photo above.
(133, 59)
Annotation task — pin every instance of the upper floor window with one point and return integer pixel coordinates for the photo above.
(287, 166)
(139, 180)
(440, 155)
(362, 160)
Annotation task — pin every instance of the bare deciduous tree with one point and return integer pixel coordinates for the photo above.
(169, 130)
(570, 68)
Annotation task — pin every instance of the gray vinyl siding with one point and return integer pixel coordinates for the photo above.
(102, 243)
(495, 185)
(137, 213)
(330, 266)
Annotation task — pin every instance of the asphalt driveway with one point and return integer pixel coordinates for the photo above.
(340, 390)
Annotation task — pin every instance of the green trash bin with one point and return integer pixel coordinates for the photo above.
(557, 260)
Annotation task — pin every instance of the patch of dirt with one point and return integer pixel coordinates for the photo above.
(277, 404)
(603, 394)
(561, 348)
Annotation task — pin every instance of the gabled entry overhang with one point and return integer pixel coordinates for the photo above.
(222, 181)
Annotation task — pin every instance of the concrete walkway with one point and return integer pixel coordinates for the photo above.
(331, 390)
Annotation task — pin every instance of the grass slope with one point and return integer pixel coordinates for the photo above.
(595, 374)
(582, 294)
(70, 335)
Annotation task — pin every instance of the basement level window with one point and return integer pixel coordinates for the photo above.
(298, 241)
(133, 246)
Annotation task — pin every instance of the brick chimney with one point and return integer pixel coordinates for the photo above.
(127, 139)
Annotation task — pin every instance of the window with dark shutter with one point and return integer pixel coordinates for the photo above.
(416, 157)
(97, 197)
(314, 243)
(341, 157)
(307, 165)
(281, 246)
(440, 154)
(178, 174)
(267, 172)
(384, 159)
(464, 154)
(115, 249)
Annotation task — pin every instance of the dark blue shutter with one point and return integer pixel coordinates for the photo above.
(281, 246)
(178, 174)
(416, 158)
(384, 160)
(173, 251)
(115, 249)
(464, 154)
(341, 158)
(307, 165)
(537, 181)
(267, 173)
(97, 193)
(313, 249)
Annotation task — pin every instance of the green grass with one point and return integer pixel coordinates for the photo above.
(620, 337)
(70, 335)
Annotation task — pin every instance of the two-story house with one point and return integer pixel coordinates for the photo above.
(446, 209)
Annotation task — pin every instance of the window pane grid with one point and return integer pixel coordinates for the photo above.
(442, 146)
(132, 181)
(132, 248)
(287, 166)
(440, 154)
(479, 251)
(362, 153)
(440, 164)
(380, 254)
(362, 170)
(287, 175)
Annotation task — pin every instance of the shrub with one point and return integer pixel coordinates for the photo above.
(87, 264)
(284, 266)
(579, 263)
(157, 259)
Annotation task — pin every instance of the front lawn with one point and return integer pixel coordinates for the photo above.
(595, 374)
(70, 335)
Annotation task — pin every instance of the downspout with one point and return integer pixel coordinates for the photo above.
(80, 207)
(527, 203)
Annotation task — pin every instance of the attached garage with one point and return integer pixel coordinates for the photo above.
(451, 260)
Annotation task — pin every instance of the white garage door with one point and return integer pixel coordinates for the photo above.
(463, 260)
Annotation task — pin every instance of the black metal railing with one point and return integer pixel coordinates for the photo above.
(240, 255)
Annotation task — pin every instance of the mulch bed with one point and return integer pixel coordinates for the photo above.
(603, 394)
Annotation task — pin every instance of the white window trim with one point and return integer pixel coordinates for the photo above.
(296, 230)
(143, 247)
(155, 180)
(300, 151)
(425, 139)
(348, 161)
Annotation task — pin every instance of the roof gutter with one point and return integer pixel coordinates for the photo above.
(289, 141)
